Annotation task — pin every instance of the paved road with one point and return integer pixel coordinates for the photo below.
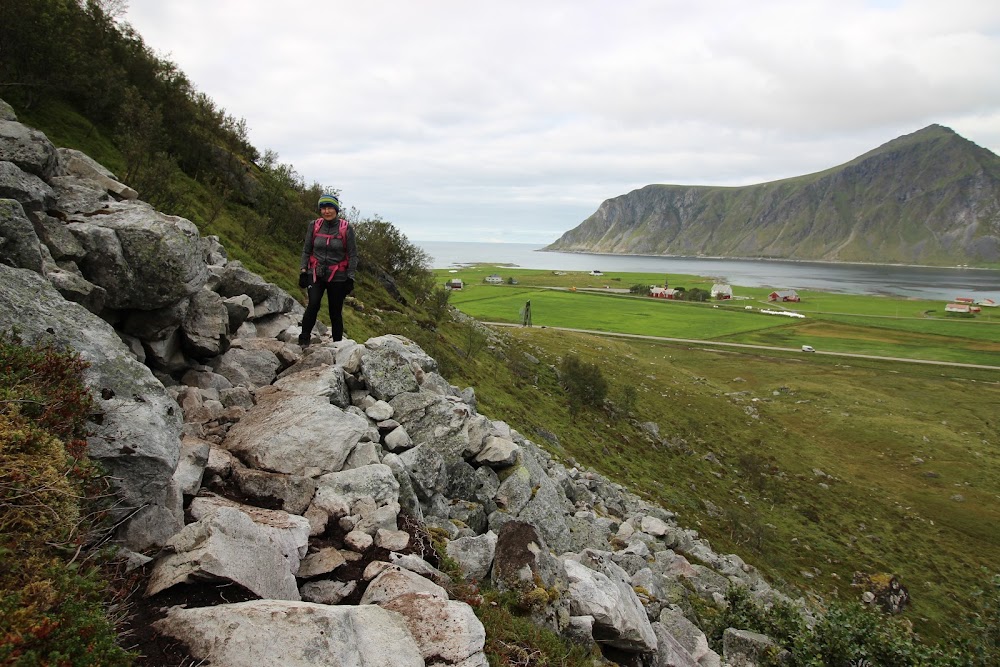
(712, 343)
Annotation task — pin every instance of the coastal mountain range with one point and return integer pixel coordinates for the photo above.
(931, 197)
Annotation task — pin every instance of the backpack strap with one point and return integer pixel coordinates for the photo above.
(342, 264)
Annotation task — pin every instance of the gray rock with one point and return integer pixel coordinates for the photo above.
(205, 326)
(83, 167)
(299, 634)
(498, 453)
(745, 647)
(397, 440)
(387, 373)
(375, 481)
(292, 434)
(247, 368)
(291, 493)
(446, 631)
(670, 652)
(426, 469)
(324, 561)
(327, 591)
(191, 465)
(27, 148)
(395, 581)
(474, 555)
(268, 299)
(435, 421)
(226, 546)
(29, 190)
(19, 245)
(598, 588)
(325, 381)
(144, 259)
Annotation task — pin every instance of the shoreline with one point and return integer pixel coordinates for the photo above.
(950, 267)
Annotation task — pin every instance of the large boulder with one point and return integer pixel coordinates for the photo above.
(82, 167)
(295, 434)
(27, 148)
(228, 545)
(447, 631)
(298, 634)
(599, 588)
(138, 436)
(143, 258)
(33, 193)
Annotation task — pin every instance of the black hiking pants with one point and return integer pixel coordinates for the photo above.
(336, 293)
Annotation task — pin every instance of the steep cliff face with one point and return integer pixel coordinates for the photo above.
(931, 197)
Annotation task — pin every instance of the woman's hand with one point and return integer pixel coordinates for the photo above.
(304, 279)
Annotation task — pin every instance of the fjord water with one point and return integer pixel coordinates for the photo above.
(922, 282)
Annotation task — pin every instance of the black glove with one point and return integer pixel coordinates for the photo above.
(304, 279)
(350, 285)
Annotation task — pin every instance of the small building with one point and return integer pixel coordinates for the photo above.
(454, 283)
(674, 293)
(722, 291)
(783, 295)
(596, 273)
(989, 303)
(958, 308)
(964, 299)
(657, 292)
(494, 279)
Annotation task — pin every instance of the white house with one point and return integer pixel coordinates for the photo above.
(722, 291)
(494, 279)
(454, 283)
(657, 292)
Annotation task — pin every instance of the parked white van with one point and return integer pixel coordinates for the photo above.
(808, 348)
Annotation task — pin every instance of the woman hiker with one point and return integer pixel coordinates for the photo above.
(329, 260)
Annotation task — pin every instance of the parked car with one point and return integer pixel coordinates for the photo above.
(808, 348)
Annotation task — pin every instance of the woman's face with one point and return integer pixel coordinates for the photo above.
(328, 212)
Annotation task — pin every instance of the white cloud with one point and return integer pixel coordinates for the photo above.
(515, 120)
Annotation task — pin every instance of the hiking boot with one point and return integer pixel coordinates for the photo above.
(304, 342)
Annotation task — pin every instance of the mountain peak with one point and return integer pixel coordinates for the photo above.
(922, 198)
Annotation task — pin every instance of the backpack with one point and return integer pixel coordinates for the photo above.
(342, 234)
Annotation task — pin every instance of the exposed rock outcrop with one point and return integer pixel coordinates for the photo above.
(318, 475)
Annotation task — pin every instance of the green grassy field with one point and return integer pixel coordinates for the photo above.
(854, 324)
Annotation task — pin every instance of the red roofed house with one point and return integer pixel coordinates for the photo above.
(957, 308)
(783, 295)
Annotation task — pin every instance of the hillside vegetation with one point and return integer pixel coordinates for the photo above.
(931, 197)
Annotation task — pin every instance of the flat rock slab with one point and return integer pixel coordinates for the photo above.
(293, 634)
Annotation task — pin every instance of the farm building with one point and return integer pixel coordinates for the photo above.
(454, 283)
(964, 299)
(595, 272)
(783, 295)
(657, 292)
(722, 291)
(494, 279)
(958, 308)
(989, 303)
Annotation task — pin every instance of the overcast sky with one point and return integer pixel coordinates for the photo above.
(513, 120)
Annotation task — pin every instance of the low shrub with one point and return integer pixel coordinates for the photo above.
(52, 594)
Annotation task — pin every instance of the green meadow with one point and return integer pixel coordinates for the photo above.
(852, 324)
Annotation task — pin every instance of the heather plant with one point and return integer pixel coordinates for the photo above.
(52, 595)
